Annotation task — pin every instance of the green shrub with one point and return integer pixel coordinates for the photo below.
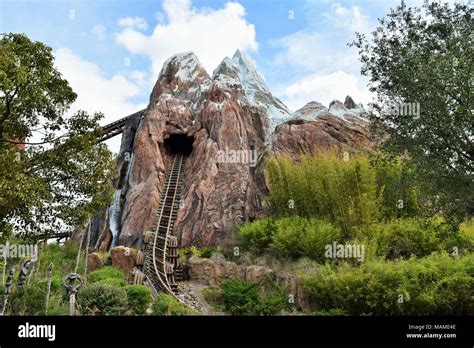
(438, 284)
(59, 310)
(239, 297)
(166, 304)
(402, 238)
(272, 299)
(31, 299)
(467, 231)
(63, 257)
(112, 281)
(257, 236)
(192, 250)
(330, 312)
(297, 236)
(102, 299)
(208, 251)
(290, 236)
(28, 300)
(107, 272)
(213, 296)
(139, 298)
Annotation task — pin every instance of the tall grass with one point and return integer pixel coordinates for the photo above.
(352, 194)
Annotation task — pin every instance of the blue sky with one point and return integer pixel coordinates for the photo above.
(111, 50)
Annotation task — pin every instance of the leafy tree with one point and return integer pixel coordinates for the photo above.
(42, 189)
(425, 55)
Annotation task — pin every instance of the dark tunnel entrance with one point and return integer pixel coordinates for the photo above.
(179, 144)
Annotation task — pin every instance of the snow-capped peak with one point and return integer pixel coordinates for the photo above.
(241, 69)
(185, 66)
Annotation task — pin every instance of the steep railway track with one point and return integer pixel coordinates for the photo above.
(160, 258)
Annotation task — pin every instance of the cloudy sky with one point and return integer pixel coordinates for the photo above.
(111, 51)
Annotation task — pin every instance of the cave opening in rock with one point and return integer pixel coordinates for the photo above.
(179, 144)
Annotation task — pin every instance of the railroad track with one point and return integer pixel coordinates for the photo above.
(159, 260)
(116, 128)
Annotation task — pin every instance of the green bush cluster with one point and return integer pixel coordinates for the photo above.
(438, 284)
(213, 296)
(201, 252)
(139, 298)
(166, 304)
(403, 238)
(399, 238)
(107, 273)
(63, 257)
(239, 297)
(102, 299)
(31, 298)
(258, 235)
(290, 236)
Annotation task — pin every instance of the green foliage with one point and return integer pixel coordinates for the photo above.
(297, 236)
(239, 297)
(424, 55)
(289, 237)
(415, 236)
(63, 257)
(112, 281)
(434, 285)
(331, 312)
(192, 250)
(467, 231)
(102, 299)
(213, 296)
(45, 191)
(107, 273)
(272, 300)
(208, 251)
(30, 299)
(257, 236)
(139, 298)
(242, 298)
(352, 194)
(167, 305)
(195, 251)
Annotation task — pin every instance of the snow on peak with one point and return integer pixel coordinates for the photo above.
(310, 111)
(185, 66)
(242, 70)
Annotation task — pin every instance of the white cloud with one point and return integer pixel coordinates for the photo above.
(325, 67)
(352, 18)
(324, 89)
(315, 52)
(96, 92)
(133, 23)
(211, 34)
(99, 32)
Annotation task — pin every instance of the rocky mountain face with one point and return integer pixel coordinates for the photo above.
(228, 123)
(315, 127)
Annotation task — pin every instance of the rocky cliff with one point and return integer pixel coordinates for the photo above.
(225, 123)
